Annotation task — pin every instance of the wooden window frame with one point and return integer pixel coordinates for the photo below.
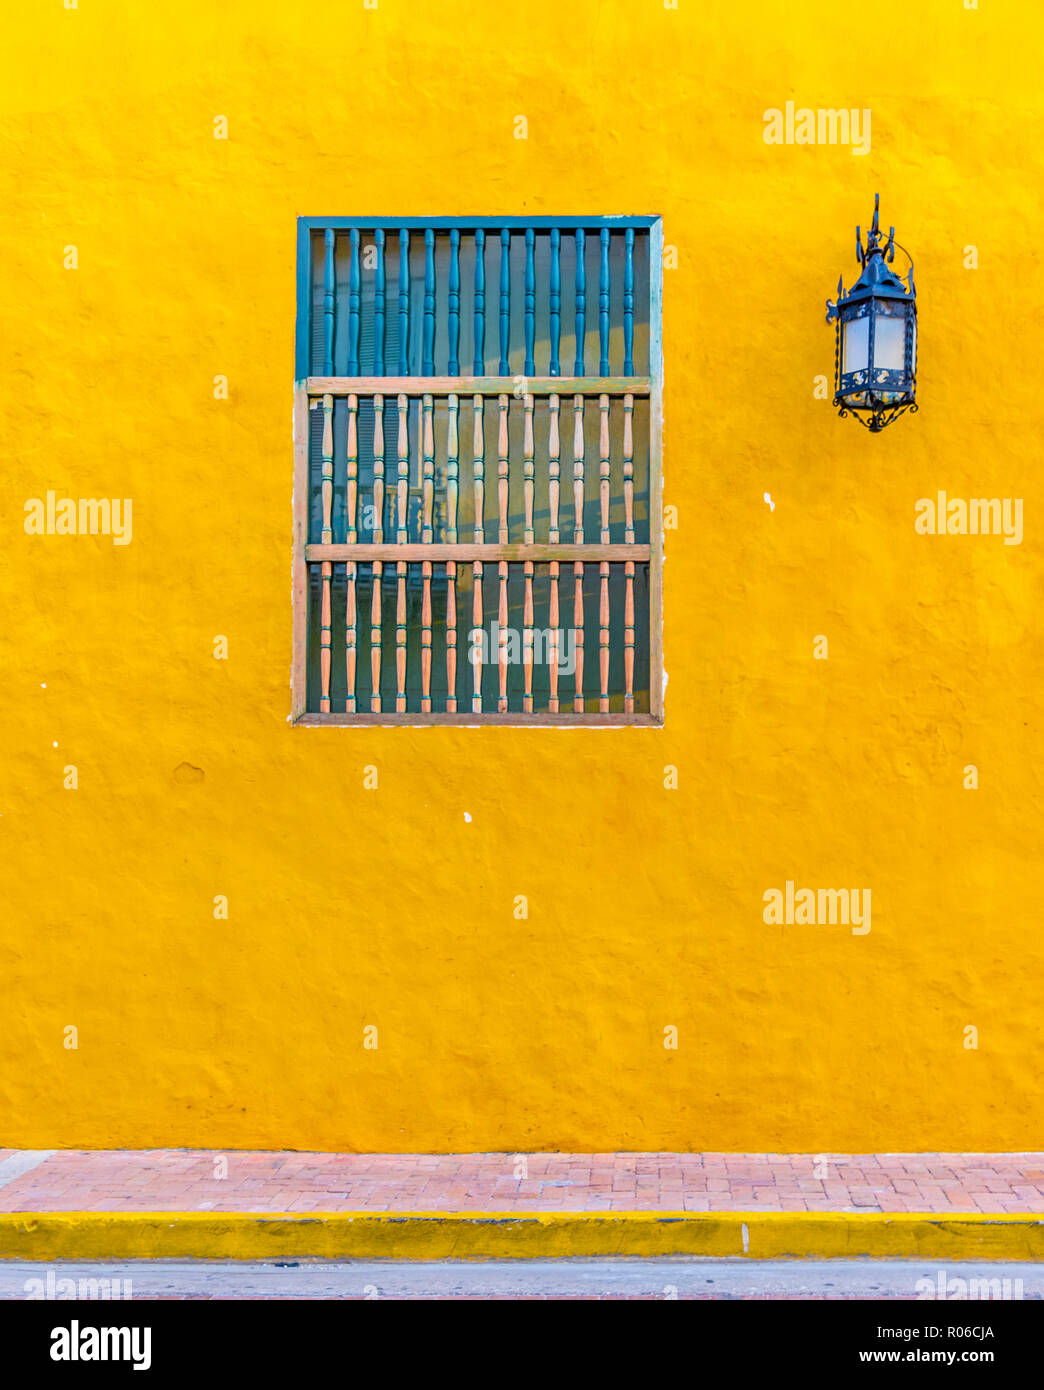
(307, 388)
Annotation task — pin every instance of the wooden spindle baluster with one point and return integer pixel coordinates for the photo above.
(477, 616)
(527, 657)
(502, 640)
(354, 304)
(603, 568)
(400, 641)
(480, 303)
(324, 649)
(603, 307)
(578, 537)
(578, 470)
(555, 304)
(404, 302)
(479, 468)
(428, 359)
(502, 469)
(428, 479)
(529, 367)
(427, 535)
(402, 535)
(352, 493)
(378, 303)
(402, 482)
(328, 302)
(327, 485)
(528, 470)
(376, 627)
(581, 303)
(603, 467)
(628, 465)
(329, 299)
(527, 621)
(628, 303)
(553, 449)
(505, 301)
(578, 632)
(327, 567)
(453, 304)
(351, 617)
(502, 535)
(452, 449)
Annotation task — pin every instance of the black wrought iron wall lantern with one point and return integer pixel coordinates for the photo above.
(875, 353)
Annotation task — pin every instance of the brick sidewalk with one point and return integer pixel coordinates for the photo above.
(180, 1180)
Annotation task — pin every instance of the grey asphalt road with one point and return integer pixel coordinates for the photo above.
(527, 1279)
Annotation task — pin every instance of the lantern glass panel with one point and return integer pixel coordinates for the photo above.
(889, 342)
(856, 345)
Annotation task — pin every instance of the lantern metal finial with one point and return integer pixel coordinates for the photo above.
(876, 344)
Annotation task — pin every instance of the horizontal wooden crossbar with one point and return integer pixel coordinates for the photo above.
(565, 554)
(477, 385)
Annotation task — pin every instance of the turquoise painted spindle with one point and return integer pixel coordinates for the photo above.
(428, 359)
(603, 307)
(505, 301)
(480, 303)
(453, 303)
(530, 303)
(628, 366)
(404, 302)
(555, 304)
(378, 304)
(581, 303)
(329, 290)
(354, 303)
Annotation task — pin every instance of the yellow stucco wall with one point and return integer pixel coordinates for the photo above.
(350, 907)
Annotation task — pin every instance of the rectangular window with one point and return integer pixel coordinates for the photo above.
(477, 513)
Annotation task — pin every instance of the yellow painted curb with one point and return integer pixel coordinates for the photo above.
(91, 1235)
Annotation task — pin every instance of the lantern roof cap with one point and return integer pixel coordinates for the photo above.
(877, 281)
